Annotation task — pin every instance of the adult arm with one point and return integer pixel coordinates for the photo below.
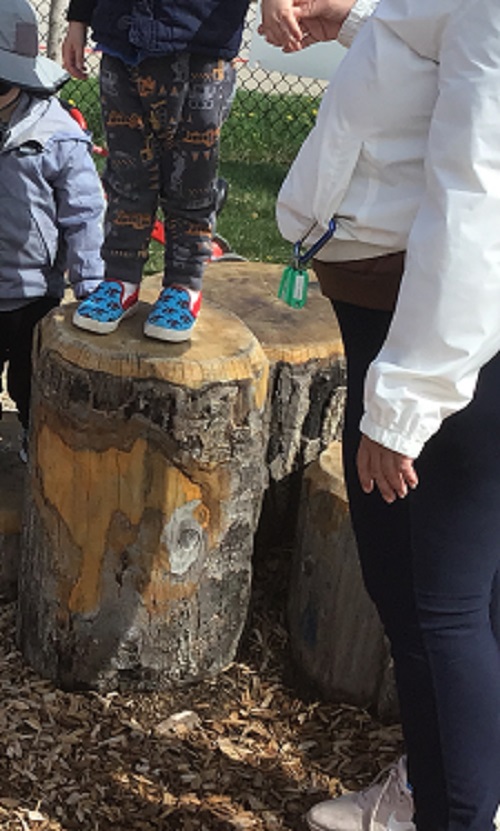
(447, 321)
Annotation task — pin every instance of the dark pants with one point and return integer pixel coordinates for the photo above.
(163, 120)
(430, 563)
(16, 343)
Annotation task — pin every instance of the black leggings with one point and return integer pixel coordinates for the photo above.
(16, 343)
(430, 563)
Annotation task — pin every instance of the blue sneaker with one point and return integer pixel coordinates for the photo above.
(174, 314)
(105, 308)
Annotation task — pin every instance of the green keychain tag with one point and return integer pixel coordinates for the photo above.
(295, 279)
(293, 287)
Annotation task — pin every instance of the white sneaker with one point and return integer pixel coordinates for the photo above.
(384, 806)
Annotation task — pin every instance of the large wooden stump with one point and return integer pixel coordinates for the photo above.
(145, 484)
(306, 377)
(336, 636)
(305, 354)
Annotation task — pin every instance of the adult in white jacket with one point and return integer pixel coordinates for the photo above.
(406, 155)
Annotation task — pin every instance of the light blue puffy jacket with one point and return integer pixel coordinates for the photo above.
(51, 205)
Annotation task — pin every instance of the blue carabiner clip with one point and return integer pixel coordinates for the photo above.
(300, 260)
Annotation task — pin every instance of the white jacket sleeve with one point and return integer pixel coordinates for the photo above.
(447, 321)
(359, 13)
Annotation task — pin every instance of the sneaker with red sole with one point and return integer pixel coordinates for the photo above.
(174, 315)
(103, 310)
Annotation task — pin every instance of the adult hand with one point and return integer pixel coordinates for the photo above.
(279, 24)
(73, 50)
(391, 472)
(321, 20)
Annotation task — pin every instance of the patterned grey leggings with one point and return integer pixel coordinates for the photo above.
(162, 120)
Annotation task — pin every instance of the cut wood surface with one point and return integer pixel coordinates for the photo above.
(145, 485)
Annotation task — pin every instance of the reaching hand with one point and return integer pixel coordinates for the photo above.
(321, 20)
(391, 472)
(73, 50)
(279, 24)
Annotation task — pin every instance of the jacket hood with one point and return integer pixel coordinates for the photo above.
(29, 124)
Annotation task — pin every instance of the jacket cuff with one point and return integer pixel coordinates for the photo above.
(406, 445)
(80, 11)
(359, 13)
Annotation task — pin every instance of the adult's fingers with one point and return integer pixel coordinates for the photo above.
(391, 472)
(281, 28)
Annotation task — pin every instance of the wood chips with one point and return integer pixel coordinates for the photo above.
(243, 752)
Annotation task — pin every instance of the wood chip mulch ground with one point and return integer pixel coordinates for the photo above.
(244, 752)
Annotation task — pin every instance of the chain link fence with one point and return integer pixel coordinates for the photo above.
(271, 115)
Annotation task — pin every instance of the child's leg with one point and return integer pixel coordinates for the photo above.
(22, 323)
(189, 171)
(136, 119)
(196, 98)
(129, 100)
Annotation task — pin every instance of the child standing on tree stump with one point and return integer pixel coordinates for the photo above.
(51, 201)
(167, 81)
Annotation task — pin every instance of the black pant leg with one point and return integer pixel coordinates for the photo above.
(22, 325)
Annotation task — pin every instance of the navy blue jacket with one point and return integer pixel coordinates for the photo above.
(136, 29)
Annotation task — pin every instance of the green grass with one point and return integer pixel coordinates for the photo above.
(259, 140)
(267, 127)
(247, 220)
(85, 94)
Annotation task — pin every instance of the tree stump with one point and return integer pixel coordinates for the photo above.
(306, 377)
(336, 636)
(12, 473)
(145, 485)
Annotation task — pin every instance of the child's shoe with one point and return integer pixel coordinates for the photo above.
(174, 314)
(105, 308)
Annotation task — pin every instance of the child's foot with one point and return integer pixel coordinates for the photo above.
(174, 314)
(105, 308)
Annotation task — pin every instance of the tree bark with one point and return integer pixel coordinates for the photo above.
(336, 635)
(145, 484)
(306, 380)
